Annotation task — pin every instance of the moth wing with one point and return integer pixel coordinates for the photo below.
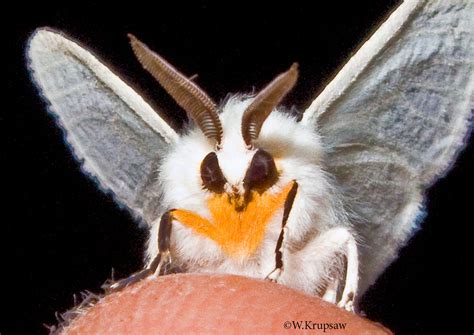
(116, 135)
(395, 117)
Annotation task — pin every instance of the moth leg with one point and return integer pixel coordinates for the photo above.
(335, 246)
(159, 263)
(163, 259)
(275, 274)
(352, 274)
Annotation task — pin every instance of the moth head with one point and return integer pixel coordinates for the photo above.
(259, 171)
(235, 167)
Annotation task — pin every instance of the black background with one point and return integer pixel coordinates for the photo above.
(64, 236)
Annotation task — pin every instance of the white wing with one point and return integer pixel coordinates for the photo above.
(112, 130)
(394, 118)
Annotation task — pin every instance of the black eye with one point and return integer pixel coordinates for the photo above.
(262, 172)
(211, 174)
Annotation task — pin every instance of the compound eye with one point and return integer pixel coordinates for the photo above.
(262, 172)
(211, 174)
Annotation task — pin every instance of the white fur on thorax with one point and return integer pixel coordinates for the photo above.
(297, 153)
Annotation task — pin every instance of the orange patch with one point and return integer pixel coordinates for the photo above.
(237, 232)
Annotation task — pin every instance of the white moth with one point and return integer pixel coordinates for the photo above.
(323, 204)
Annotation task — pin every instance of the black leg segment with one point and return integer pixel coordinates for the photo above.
(159, 263)
(286, 213)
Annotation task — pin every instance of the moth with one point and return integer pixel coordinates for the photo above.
(321, 204)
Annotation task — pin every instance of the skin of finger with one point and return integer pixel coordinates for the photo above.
(200, 303)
